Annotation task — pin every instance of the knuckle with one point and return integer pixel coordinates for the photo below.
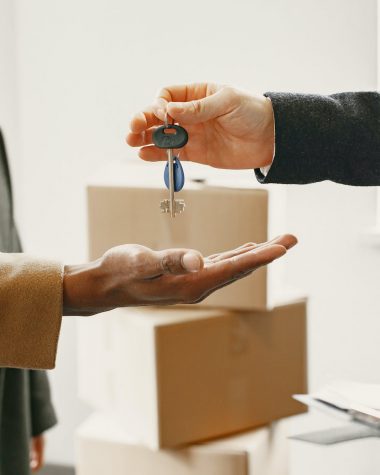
(137, 253)
(197, 106)
(137, 257)
(163, 91)
(165, 263)
(170, 263)
(232, 93)
(227, 89)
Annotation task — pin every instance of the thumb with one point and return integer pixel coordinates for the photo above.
(202, 110)
(180, 261)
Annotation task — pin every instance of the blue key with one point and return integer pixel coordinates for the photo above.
(178, 175)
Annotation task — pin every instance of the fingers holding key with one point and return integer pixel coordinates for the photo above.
(176, 98)
(193, 151)
(155, 114)
(144, 120)
(140, 139)
(184, 92)
(151, 153)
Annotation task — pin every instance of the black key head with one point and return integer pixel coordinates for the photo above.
(170, 136)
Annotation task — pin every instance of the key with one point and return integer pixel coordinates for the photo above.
(176, 138)
(171, 205)
(178, 207)
(173, 176)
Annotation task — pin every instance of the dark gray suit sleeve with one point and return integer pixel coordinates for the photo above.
(43, 416)
(320, 138)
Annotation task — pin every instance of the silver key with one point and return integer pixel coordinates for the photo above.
(171, 205)
(179, 206)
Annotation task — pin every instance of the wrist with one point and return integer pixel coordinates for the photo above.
(84, 289)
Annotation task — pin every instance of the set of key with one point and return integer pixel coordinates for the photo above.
(169, 137)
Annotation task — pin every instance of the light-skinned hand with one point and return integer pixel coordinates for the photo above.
(227, 128)
(133, 275)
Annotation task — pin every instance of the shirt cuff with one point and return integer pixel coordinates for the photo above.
(265, 170)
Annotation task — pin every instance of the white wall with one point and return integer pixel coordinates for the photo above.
(8, 78)
(85, 66)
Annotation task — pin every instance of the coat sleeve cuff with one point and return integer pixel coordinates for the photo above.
(30, 311)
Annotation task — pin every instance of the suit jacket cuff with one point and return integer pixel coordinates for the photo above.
(320, 138)
(30, 311)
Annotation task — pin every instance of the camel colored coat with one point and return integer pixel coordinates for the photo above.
(30, 315)
(30, 294)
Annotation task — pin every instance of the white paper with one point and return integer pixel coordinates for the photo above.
(350, 395)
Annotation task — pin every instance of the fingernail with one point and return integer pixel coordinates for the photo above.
(191, 262)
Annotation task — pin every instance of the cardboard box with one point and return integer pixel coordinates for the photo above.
(179, 376)
(103, 446)
(123, 207)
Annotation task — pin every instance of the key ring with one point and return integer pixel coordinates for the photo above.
(166, 121)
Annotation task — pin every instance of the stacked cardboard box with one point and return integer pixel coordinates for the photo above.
(165, 378)
(106, 447)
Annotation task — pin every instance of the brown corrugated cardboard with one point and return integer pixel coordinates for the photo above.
(216, 218)
(104, 446)
(179, 376)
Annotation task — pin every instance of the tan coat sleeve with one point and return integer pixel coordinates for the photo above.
(30, 311)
